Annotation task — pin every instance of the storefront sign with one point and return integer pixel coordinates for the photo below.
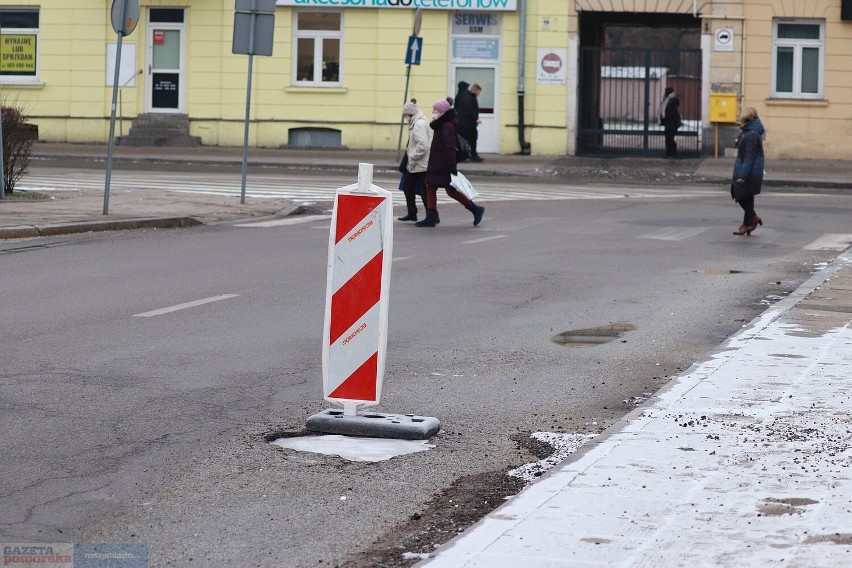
(475, 48)
(482, 5)
(471, 23)
(18, 54)
(551, 66)
(165, 93)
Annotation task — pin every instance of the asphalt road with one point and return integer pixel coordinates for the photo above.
(152, 430)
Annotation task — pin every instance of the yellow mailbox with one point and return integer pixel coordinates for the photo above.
(723, 107)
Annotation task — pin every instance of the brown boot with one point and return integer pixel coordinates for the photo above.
(743, 230)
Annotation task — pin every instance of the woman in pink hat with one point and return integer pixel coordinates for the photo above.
(442, 164)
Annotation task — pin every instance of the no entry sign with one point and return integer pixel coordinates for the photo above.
(551, 66)
(356, 309)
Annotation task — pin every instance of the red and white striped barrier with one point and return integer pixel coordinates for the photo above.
(356, 303)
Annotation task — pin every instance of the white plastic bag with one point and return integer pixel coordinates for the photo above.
(462, 184)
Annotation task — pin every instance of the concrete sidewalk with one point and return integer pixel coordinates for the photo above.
(745, 460)
(81, 211)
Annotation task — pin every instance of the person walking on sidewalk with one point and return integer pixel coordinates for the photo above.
(442, 164)
(467, 109)
(747, 178)
(671, 120)
(419, 141)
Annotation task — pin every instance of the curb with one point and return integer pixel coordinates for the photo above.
(52, 229)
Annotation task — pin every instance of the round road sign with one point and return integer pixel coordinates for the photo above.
(130, 10)
(551, 63)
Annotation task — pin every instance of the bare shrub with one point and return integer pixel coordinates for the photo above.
(18, 138)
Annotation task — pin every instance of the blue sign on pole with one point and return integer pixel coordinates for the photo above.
(413, 51)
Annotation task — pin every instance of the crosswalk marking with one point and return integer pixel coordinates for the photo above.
(831, 241)
(301, 188)
(312, 188)
(595, 227)
(674, 233)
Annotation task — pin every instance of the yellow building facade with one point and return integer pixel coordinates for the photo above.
(338, 75)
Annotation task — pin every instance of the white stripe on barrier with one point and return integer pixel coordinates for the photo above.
(354, 347)
(361, 244)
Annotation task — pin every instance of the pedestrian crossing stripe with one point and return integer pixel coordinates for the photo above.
(831, 241)
(674, 233)
(304, 188)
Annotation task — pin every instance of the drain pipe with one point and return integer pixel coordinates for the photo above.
(522, 49)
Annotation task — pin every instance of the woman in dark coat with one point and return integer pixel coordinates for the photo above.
(748, 169)
(442, 163)
(671, 120)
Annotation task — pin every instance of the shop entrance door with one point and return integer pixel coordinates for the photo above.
(486, 77)
(166, 86)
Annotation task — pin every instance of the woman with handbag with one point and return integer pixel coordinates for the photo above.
(416, 158)
(748, 169)
(443, 163)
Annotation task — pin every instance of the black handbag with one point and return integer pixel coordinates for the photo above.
(403, 164)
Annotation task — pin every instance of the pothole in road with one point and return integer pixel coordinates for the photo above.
(592, 336)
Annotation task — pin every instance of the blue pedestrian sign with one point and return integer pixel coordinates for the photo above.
(413, 51)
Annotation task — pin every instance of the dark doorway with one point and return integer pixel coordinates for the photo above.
(626, 62)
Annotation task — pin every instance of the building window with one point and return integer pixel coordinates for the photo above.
(798, 49)
(319, 39)
(18, 45)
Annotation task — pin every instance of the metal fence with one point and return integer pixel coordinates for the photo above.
(620, 94)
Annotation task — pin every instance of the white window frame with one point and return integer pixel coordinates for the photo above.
(24, 79)
(318, 36)
(797, 45)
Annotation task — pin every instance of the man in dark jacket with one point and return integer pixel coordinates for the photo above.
(671, 120)
(467, 110)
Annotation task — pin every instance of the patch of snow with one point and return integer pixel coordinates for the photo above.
(354, 448)
(563, 445)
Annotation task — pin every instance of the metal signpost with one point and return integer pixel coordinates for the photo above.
(254, 25)
(413, 50)
(124, 16)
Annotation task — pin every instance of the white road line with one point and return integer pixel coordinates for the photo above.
(184, 306)
(831, 241)
(289, 221)
(483, 239)
(596, 227)
(674, 233)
